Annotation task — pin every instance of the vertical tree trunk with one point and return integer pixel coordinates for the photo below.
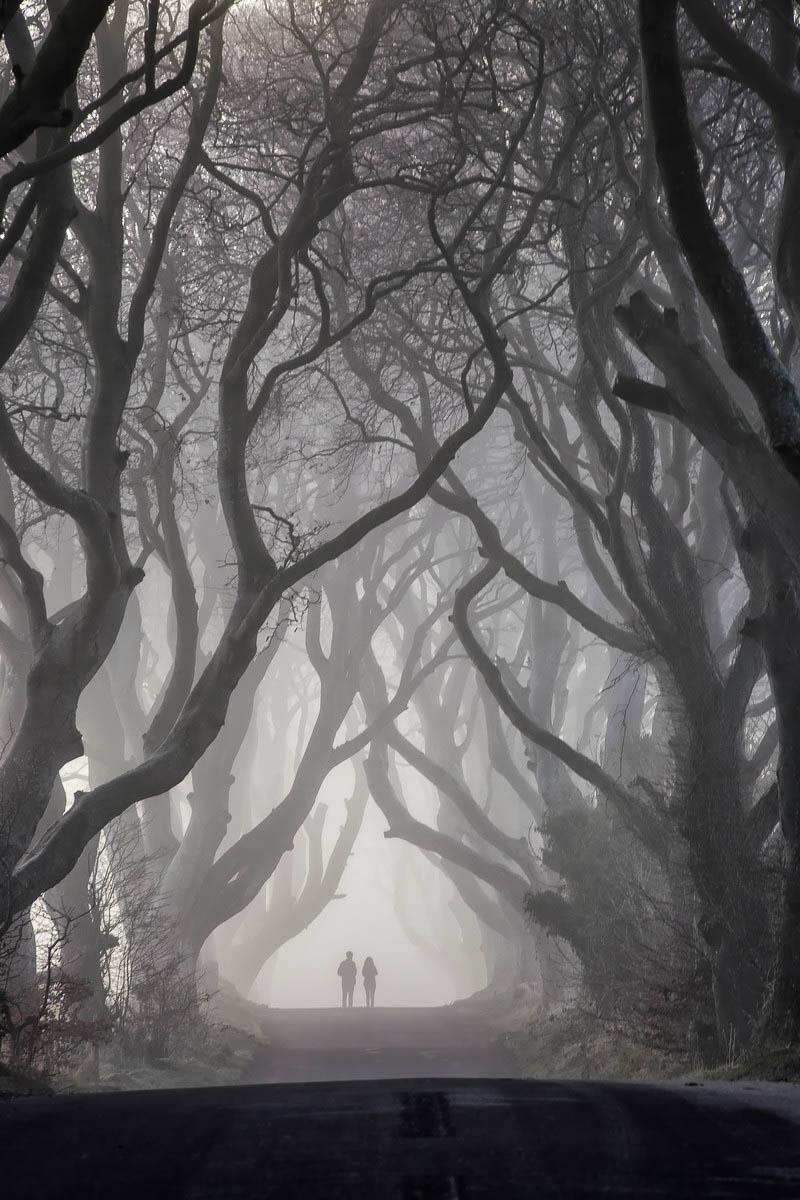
(733, 920)
(779, 629)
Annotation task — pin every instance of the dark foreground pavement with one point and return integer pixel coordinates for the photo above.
(405, 1140)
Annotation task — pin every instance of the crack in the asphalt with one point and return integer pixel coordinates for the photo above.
(426, 1115)
(433, 1187)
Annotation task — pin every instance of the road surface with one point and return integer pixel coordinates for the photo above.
(313, 1044)
(403, 1139)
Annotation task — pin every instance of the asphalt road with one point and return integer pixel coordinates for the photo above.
(315, 1044)
(405, 1138)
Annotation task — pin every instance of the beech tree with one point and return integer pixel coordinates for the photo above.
(651, 539)
(770, 433)
(67, 653)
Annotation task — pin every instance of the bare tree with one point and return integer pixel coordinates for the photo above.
(261, 581)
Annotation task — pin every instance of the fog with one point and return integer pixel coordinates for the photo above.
(303, 974)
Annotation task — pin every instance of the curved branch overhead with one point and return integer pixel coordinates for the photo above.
(637, 815)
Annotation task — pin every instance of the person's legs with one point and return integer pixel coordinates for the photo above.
(350, 991)
(344, 994)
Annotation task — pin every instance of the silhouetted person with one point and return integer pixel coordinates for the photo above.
(348, 972)
(370, 973)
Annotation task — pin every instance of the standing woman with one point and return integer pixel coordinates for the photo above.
(370, 973)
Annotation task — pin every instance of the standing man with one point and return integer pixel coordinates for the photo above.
(348, 972)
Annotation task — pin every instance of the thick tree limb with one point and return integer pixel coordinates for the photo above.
(511, 886)
(636, 816)
(558, 917)
(764, 816)
(704, 405)
(39, 98)
(650, 396)
(515, 849)
(744, 341)
(749, 66)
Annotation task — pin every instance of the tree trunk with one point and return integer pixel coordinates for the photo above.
(780, 636)
(733, 920)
